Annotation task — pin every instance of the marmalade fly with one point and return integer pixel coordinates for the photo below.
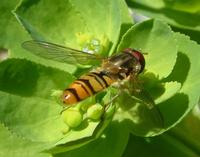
(127, 64)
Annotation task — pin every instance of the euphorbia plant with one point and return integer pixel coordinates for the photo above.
(31, 119)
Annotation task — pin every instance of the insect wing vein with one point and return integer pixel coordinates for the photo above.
(60, 53)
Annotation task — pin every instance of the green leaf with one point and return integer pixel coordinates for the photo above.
(171, 88)
(13, 145)
(26, 106)
(62, 28)
(164, 145)
(31, 121)
(11, 32)
(160, 61)
(88, 131)
(8, 21)
(182, 140)
(183, 15)
(186, 72)
(28, 110)
(187, 131)
(111, 143)
(117, 14)
(13, 35)
(28, 92)
(183, 93)
(21, 115)
(191, 6)
(24, 78)
(145, 36)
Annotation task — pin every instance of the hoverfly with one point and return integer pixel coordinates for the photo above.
(127, 64)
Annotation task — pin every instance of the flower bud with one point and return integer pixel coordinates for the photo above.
(95, 111)
(65, 130)
(72, 117)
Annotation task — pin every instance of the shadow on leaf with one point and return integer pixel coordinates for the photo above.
(174, 108)
(180, 70)
(18, 77)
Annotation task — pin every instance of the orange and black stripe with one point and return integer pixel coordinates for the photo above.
(100, 77)
(73, 91)
(87, 85)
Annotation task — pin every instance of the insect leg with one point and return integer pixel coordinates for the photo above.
(138, 92)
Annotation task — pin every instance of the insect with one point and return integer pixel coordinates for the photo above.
(127, 64)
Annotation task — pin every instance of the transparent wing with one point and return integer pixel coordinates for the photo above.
(60, 53)
(138, 91)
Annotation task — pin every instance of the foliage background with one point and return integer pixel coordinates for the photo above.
(26, 81)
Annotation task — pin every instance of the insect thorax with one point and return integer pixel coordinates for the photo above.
(121, 65)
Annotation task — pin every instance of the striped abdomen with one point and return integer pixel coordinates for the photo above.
(87, 85)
